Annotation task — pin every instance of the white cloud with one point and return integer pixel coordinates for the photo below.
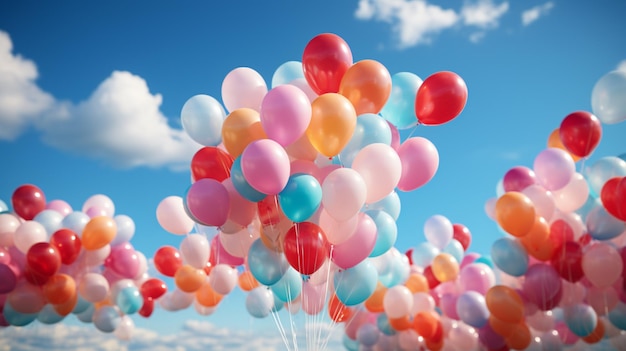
(622, 66)
(531, 15)
(120, 123)
(483, 13)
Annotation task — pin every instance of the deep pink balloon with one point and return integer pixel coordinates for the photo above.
(543, 286)
(208, 202)
(358, 246)
(518, 178)
(266, 166)
(8, 278)
(123, 260)
(219, 255)
(285, 114)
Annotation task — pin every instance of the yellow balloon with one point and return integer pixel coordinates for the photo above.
(445, 267)
(333, 121)
(241, 127)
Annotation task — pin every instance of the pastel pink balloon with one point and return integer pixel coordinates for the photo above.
(172, 216)
(573, 195)
(219, 255)
(93, 287)
(602, 264)
(123, 260)
(195, 250)
(358, 246)
(398, 301)
(285, 114)
(60, 206)
(8, 225)
(337, 231)
(243, 87)
(381, 169)
(26, 298)
(476, 277)
(208, 202)
(343, 193)
(266, 166)
(420, 161)
(242, 211)
(28, 234)
(395, 136)
(238, 244)
(542, 199)
(223, 279)
(101, 201)
(554, 168)
(313, 298)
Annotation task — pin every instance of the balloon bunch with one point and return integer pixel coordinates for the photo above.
(293, 192)
(56, 261)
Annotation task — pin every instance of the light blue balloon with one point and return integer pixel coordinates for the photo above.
(455, 249)
(397, 273)
(386, 232)
(106, 319)
(354, 285)
(617, 316)
(86, 316)
(301, 197)
(241, 184)
(601, 225)
(370, 128)
(16, 318)
(367, 334)
(349, 344)
(287, 72)
(399, 109)
(48, 315)
(81, 305)
(383, 325)
(591, 203)
(289, 286)
(390, 204)
(129, 300)
(581, 319)
(202, 118)
(260, 302)
(471, 308)
(75, 222)
(602, 170)
(509, 256)
(266, 266)
(424, 253)
(125, 229)
(50, 220)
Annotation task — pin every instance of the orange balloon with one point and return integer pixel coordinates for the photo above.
(554, 140)
(333, 120)
(65, 308)
(401, 323)
(59, 288)
(247, 281)
(188, 278)
(505, 304)
(206, 296)
(367, 84)
(515, 213)
(519, 338)
(337, 311)
(241, 127)
(417, 283)
(374, 303)
(445, 267)
(537, 242)
(425, 324)
(98, 232)
(501, 327)
(597, 334)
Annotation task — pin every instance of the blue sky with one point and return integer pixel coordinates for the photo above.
(91, 94)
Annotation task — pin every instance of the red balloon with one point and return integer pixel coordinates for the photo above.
(580, 133)
(167, 260)
(462, 234)
(306, 247)
(269, 211)
(568, 261)
(153, 288)
(67, 243)
(42, 262)
(560, 232)
(613, 196)
(147, 308)
(430, 277)
(440, 98)
(211, 162)
(325, 60)
(28, 200)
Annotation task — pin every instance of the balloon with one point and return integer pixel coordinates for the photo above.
(48, 315)
(98, 232)
(343, 193)
(367, 334)
(241, 184)
(265, 265)
(462, 234)
(129, 300)
(509, 256)
(301, 197)
(206, 296)
(246, 281)
(285, 114)
(568, 261)
(472, 309)
(424, 253)
(106, 318)
(420, 161)
(172, 216)
(542, 286)
(386, 231)
(581, 319)
(554, 140)
(399, 109)
(211, 162)
(370, 129)
(445, 267)
(241, 127)
(367, 84)
(440, 98)
(358, 246)
(243, 87)
(259, 302)
(208, 191)
(601, 225)
(288, 287)
(42, 262)
(100, 204)
(17, 318)
(194, 250)
(68, 245)
(202, 117)
(125, 229)
(613, 196)
(325, 60)
(438, 230)
(223, 279)
(27, 201)
(354, 285)
(306, 248)
(602, 171)
(515, 213)
(50, 219)
(602, 264)
(123, 260)
(75, 221)
(505, 304)
(26, 298)
(580, 133)
(333, 121)
(337, 311)
(607, 97)
(189, 279)
(518, 178)
(381, 169)
(8, 278)
(476, 277)
(573, 195)
(167, 260)
(29, 233)
(8, 225)
(287, 72)
(553, 168)
(266, 166)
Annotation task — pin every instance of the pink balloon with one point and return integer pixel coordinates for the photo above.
(243, 87)
(238, 244)
(395, 136)
(123, 260)
(102, 202)
(573, 195)
(313, 297)
(343, 193)
(93, 287)
(195, 250)
(554, 168)
(208, 202)
(60, 206)
(602, 264)
(358, 246)
(242, 211)
(398, 301)
(420, 161)
(337, 231)
(542, 199)
(381, 169)
(8, 225)
(285, 114)
(223, 279)
(266, 166)
(172, 216)
(476, 277)
(219, 255)
(518, 178)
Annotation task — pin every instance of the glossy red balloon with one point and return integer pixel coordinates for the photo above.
(325, 60)
(211, 162)
(27, 201)
(147, 308)
(462, 234)
(568, 261)
(440, 98)
(269, 211)
(560, 232)
(430, 277)
(306, 247)
(153, 288)
(42, 262)
(613, 196)
(67, 243)
(167, 260)
(580, 133)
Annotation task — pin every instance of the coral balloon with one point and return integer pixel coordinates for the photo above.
(580, 133)
(333, 121)
(515, 213)
(505, 304)
(367, 84)
(59, 289)
(440, 98)
(325, 60)
(188, 278)
(98, 232)
(28, 200)
(167, 260)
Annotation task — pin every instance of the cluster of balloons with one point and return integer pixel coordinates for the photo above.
(56, 261)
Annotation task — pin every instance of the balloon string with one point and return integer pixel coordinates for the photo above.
(281, 329)
(413, 130)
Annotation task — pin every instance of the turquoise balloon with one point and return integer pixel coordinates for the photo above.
(485, 260)
(383, 325)
(509, 256)
(386, 232)
(16, 318)
(266, 266)
(81, 305)
(241, 184)
(48, 315)
(129, 300)
(301, 197)
(354, 285)
(350, 344)
(287, 72)
(581, 319)
(289, 286)
(397, 273)
(617, 316)
(370, 128)
(400, 107)
(390, 204)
